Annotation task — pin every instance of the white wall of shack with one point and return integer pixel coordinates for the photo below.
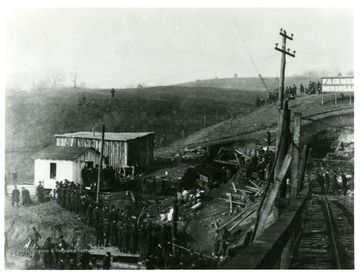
(64, 170)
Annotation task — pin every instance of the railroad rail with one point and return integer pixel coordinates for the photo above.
(327, 241)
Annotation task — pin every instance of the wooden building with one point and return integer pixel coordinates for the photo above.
(57, 163)
(121, 150)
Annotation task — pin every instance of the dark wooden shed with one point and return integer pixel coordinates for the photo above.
(121, 149)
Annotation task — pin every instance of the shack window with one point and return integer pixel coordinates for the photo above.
(52, 170)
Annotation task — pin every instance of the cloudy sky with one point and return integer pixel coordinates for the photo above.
(114, 47)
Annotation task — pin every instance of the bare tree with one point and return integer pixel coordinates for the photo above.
(55, 78)
(75, 79)
(350, 73)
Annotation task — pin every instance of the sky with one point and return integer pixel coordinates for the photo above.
(122, 47)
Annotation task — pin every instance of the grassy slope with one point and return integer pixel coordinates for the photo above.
(33, 118)
(261, 119)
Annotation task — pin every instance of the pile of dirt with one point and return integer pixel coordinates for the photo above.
(50, 220)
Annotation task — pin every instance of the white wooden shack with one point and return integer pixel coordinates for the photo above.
(122, 150)
(57, 163)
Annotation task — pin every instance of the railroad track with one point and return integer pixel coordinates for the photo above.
(327, 241)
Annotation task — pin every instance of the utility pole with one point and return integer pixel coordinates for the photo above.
(283, 63)
(100, 165)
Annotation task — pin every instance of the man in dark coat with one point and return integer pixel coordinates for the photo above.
(40, 192)
(99, 233)
(106, 232)
(113, 233)
(141, 235)
(112, 93)
(28, 200)
(301, 89)
(133, 240)
(48, 257)
(261, 169)
(334, 182)
(248, 169)
(344, 183)
(96, 215)
(15, 197)
(120, 234)
(126, 239)
(68, 199)
(89, 214)
(327, 181)
(107, 261)
(23, 196)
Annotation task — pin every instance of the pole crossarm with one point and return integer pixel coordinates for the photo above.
(285, 52)
(284, 34)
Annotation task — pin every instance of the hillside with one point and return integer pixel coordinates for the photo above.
(249, 83)
(32, 118)
(252, 126)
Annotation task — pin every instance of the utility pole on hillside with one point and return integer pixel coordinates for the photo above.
(283, 63)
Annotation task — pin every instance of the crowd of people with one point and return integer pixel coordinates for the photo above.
(119, 228)
(314, 87)
(260, 163)
(89, 176)
(329, 182)
(60, 254)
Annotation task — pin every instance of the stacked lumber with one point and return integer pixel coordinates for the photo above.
(244, 197)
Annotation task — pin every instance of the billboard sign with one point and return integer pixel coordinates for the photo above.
(337, 84)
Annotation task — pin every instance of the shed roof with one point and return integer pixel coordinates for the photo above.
(108, 135)
(62, 152)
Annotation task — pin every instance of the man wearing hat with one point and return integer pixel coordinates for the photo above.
(107, 261)
(15, 197)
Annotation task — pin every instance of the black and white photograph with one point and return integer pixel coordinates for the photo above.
(160, 137)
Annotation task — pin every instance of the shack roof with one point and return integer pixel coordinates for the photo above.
(108, 135)
(62, 152)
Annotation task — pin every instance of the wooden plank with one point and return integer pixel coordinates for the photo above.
(237, 160)
(241, 220)
(246, 197)
(295, 156)
(236, 217)
(234, 187)
(235, 202)
(241, 190)
(231, 203)
(244, 154)
(273, 194)
(252, 188)
(253, 183)
(225, 162)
